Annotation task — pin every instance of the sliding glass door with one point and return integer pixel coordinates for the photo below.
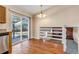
(25, 28)
(20, 28)
(16, 28)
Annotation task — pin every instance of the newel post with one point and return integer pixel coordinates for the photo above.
(64, 38)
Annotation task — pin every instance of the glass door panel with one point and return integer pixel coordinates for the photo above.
(16, 24)
(25, 28)
(20, 27)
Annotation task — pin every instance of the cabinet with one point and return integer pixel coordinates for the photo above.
(2, 14)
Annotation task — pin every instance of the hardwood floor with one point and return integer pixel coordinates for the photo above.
(35, 46)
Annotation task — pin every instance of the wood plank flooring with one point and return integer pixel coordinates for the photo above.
(35, 46)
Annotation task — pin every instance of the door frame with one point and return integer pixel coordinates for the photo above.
(20, 15)
(73, 37)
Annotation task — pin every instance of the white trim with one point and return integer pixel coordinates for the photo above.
(77, 25)
(19, 12)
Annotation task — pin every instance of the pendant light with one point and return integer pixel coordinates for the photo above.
(41, 14)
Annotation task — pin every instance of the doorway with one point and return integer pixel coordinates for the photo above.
(69, 33)
(20, 28)
(72, 46)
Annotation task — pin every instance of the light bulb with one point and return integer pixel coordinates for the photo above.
(41, 15)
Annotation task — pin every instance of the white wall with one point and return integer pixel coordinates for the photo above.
(75, 34)
(58, 16)
(78, 40)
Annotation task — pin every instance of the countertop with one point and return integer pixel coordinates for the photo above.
(3, 32)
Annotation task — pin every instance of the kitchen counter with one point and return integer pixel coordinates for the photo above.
(4, 33)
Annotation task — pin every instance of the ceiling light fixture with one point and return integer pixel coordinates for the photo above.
(41, 14)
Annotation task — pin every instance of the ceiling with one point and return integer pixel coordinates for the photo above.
(30, 9)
